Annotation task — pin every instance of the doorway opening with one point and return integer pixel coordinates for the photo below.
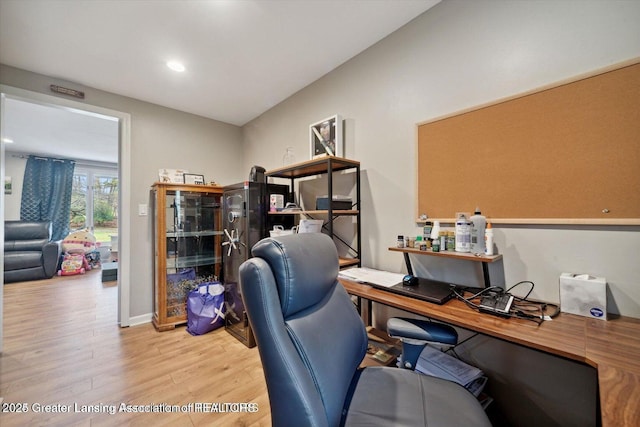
(107, 184)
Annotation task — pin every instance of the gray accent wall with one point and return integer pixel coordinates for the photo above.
(458, 55)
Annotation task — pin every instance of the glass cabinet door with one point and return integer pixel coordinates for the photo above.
(192, 256)
(187, 239)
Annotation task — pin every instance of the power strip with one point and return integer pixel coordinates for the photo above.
(498, 305)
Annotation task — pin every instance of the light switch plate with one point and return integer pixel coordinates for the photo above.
(143, 209)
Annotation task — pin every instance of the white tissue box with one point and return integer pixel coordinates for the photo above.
(583, 295)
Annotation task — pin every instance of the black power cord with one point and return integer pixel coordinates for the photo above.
(521, 308)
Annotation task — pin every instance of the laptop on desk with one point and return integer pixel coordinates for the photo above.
(429, 290)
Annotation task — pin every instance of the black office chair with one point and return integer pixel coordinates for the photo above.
(312, 340)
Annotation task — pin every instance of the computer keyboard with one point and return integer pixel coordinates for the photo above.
(496, 304)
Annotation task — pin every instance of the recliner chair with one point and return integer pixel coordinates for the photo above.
(312, 341)
(29, 252)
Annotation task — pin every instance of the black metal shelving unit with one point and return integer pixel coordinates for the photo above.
(320, 166)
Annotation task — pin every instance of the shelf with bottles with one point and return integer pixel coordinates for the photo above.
(485, 260)
(467, 256)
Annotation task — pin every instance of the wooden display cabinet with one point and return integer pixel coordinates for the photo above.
(187, 236)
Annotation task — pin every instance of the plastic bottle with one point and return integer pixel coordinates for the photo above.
(488, 239)
(463, 233)
(435, 231)
(451, 241)
(478, 226)
(426, 231)
(400, 243)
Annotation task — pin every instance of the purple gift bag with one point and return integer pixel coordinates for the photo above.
(205, 308)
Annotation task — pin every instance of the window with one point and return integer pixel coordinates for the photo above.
(94, 202)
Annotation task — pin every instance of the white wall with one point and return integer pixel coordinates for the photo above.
(160, 138)
(14, 167)
(458, 55)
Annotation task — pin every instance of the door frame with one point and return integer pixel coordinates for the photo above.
(124, 192)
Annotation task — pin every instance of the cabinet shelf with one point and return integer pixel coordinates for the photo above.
(191, 261)
(317, 212)
(178, 234)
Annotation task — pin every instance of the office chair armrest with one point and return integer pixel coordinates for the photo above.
(421, 330)
(415, 334)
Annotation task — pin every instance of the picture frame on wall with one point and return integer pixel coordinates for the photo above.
(192, 178)
(7, 185)
(325, 137)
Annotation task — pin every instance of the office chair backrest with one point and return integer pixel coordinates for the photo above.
(310, 337)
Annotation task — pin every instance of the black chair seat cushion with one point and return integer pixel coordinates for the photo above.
(387, 396)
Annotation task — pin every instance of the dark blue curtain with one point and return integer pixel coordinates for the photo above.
(46, 193)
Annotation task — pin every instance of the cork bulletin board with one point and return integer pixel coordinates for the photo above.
(569, 153)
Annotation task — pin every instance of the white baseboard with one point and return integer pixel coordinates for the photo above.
(140, 320)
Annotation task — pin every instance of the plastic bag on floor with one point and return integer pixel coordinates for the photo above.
(205, 308)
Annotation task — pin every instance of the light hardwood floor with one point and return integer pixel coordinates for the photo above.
(63, 347)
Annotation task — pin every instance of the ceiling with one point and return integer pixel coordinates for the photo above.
(242, 57)
(59, 132)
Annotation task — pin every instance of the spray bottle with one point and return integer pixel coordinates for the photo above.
(463, 233)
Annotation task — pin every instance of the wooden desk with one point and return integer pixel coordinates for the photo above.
(612, 347)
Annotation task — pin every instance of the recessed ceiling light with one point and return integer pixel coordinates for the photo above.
(7, 140)
(176, 66)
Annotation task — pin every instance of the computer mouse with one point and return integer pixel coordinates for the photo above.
(409, 280)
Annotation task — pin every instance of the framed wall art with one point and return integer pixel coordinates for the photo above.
(325, 137)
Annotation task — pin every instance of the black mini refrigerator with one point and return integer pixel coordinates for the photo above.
(246, 220)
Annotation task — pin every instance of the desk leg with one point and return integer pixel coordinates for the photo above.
(485, 273)
(365, 313)
(407, 261)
